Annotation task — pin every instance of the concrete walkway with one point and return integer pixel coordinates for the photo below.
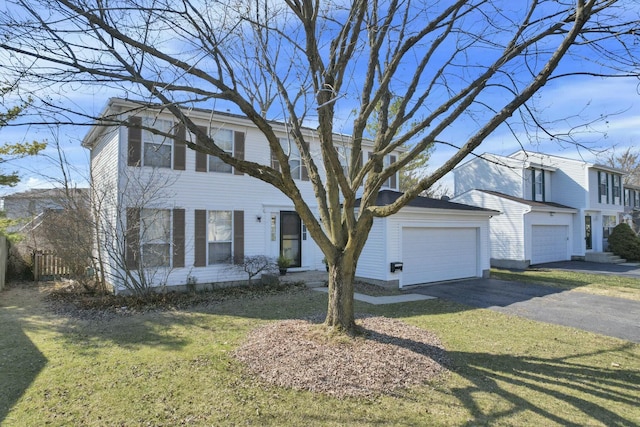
(317, 280)
(391, 299)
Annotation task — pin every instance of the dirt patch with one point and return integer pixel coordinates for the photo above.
(388, 355)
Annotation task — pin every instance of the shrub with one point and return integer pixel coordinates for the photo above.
(624, 242)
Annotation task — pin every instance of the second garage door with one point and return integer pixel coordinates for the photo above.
(549, 243)
(438, 254)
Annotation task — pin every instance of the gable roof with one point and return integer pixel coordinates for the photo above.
(531, 203)
(386, 197)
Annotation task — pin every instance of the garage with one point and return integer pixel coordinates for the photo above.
(549, 243)
(433, 254)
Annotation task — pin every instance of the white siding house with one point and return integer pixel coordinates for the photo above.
(186, 217)
(554, 208)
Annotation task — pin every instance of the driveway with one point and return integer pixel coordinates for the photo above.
(615, 317)
(627, 269)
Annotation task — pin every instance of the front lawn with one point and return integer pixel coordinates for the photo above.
(609, 285)
(174, 367)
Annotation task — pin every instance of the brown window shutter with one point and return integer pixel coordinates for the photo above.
(134, 141)
(238, 148)
(179, 148)
(394, 180)
(132, 238)
(178, 238)
(360, 160)
(238, 237)
(201, 158)
(200, 238)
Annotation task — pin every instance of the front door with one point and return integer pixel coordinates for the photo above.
(291, 237)
(587, 233)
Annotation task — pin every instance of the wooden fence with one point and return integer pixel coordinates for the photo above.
(46, 265)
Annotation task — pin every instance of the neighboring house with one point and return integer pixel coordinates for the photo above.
(553, 208)
(28, 204)
(30, 208)
(631, 213)
(205, 215)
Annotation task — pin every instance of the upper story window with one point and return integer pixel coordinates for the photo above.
(617, 189)
(156, 148)
(295, 160)
(627, 197)
(392, 181)
(603, 187)
(296, 165)
(223, 139)
(231, 142)
(148, 148)
(538, 185)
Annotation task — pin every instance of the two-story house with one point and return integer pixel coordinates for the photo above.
(553, 208)
(187, 217)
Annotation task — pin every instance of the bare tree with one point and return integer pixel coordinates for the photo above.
(628, 161)
(133, 230)
(466, 63)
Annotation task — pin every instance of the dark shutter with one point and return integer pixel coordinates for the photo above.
(201, 158)
(132, 238)
(394, 180)
(238, 148)
(178, 238)
(533, 184)
(179, 147)
(134, 141)
(238, 237)
(200, 238)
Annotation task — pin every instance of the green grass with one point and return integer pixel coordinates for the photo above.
(610, 285)
(175, 368)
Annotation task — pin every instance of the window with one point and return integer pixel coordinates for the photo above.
(627, 197)
(295, 162)
(608, 223)
(616, 188)
(155, 237)
(538, 185)
(219, 237)
(603, 187)
(156, 148)
(223, 139)
(392, 181)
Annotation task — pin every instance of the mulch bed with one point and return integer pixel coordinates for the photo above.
(388, 355)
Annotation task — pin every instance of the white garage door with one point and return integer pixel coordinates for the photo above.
(549, 243)
(437, 254)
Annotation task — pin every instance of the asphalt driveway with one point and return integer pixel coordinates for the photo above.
(615, 317)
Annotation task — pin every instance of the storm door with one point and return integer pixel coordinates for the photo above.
(291, 237)
(587, 233)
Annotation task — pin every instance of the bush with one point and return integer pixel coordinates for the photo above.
(624, 242)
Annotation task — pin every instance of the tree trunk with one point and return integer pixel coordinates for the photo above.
(340, 314)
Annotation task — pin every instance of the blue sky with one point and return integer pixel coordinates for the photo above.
(610, 106)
